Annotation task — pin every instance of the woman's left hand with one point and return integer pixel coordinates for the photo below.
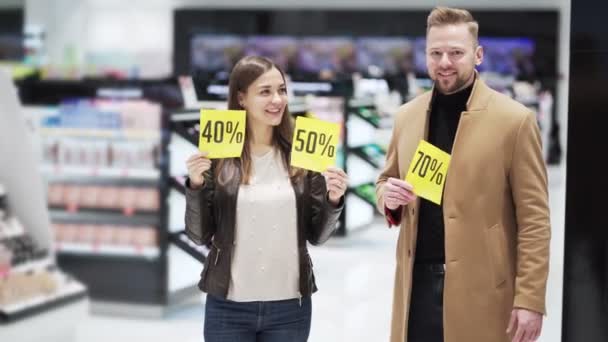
(337, 183)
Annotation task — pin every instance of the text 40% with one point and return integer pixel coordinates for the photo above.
(219, 129)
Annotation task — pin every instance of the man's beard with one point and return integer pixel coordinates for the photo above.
(450, 87)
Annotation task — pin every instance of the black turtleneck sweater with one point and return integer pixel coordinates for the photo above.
(443, 122)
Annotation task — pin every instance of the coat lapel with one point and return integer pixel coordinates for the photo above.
(476, 108)
(418, 130)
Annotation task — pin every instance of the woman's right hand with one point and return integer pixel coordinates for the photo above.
(197, 164)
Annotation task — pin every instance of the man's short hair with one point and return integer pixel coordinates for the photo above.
(441, 16)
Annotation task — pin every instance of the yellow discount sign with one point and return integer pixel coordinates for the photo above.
(222, 133)
(314, 144)
(428, 171)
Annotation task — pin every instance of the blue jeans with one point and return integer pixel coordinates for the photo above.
(271, 321)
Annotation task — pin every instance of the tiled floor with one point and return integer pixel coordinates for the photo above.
(355, 277)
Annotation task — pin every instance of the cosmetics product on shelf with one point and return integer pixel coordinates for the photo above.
(5, 261)
(124, 235)
(145, 237)
(104, 235)
(109, 197)
(55, 194)
(148, 199)
(89, 196)
(50, 148)
(66, 232)
(14, 239)
(23, 249)
(18, 287)
(86, 234)
(128, 198)
(71, 196)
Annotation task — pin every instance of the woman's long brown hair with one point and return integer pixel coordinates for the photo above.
(244, 73)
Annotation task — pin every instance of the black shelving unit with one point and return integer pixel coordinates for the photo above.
(105, 216)
(124, 281)
(185, 123)
(34, 283)
(365, 192)
(178, 183)
(373, 154)
(182, 240)
(118, 278)
(367, 113)
(364, 110)
(108, 271)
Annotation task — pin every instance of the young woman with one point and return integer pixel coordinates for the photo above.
(258, 212)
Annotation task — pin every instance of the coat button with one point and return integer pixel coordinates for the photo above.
(409, 253)
(413, 211)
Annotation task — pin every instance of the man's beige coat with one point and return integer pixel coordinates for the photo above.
(495, 208)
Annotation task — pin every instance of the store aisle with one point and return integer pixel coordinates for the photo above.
(355, 278)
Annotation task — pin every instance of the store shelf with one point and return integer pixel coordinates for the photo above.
(186, 131)
(101, 133)
(107, 250)
(69, 293)
(182, 241)
(371, 119)
(57, 173)
(188, 115)
(184, 123)
(141, 184)
(178, 183)
(361, 102)
(33, 266)
(371, 153)
(124, 212)
(109, 217)
(366, 192)
(298, 107)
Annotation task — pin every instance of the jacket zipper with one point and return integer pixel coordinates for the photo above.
(217, 255)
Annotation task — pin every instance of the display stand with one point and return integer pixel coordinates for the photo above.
(63, 306)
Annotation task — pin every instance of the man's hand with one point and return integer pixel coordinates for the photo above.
(397, 192)
(527, 325)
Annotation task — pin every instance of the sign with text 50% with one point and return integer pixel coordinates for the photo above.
(222, 133)
(314, 144)
(427, 172)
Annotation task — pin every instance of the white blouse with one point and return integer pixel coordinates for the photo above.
(265, 264)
